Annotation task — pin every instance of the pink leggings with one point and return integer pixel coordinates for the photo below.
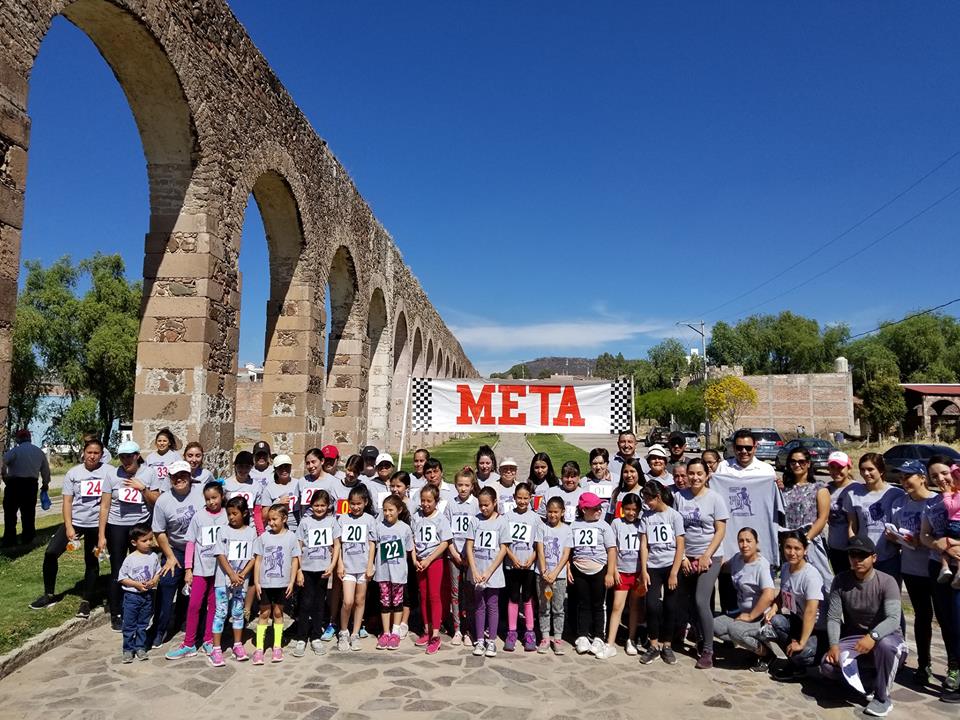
(431, 605)
(202, 589)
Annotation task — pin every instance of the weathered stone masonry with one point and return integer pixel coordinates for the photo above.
(216, 126)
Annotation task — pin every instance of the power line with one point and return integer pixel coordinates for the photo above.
(884, 236)
(834, 239)
(908, 317)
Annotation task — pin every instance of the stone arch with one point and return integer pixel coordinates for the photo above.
(378, 377)
(402, 369)
(417, 359)
(346, 348)
(429, 365)
(440, 363)
(400, 346)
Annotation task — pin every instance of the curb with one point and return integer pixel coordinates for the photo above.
(49, 639)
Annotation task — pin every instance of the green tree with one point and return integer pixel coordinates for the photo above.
(727, 399)
(644, 376)
(669, 360)
(870, 358)
(920, 345)
(686, 406)
(883, 403)
(726, 346)
(71, 421)
(26, 373)
(544, 374)
(610, 367)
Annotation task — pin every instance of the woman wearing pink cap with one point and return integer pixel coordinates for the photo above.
(592, 569)
(841, 481)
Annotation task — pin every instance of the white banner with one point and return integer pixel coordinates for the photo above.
(515, 406)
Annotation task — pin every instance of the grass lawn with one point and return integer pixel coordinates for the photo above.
(560, 451)
(22, 583)
(453, 454)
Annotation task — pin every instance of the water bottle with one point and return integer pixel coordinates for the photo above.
(102, 555)
(548, 592)
(45, 500)
(73, 543)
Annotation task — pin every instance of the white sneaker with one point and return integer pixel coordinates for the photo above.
(402, 631)
(582, 645)
(299, 648)
(607, 651)
(466, 639)
(355, 642)
(317, 647)
(457, 638)
(630, 648)
(596, 648)
(491, 648)
(479, 648)
(343, 641)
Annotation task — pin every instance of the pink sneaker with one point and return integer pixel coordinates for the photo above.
(277, 655)
(216, 657)
(383, 641)
(393, 641)
(433, 646)
(258, 657)
(422, 640)
(239, 654)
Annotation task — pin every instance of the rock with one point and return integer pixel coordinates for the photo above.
(425, 706)
(718, 701)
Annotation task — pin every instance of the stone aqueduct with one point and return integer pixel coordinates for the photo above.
(217, 125)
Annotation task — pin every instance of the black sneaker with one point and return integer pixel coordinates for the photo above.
(44, 601)
(667, 655)
(922, 675)
(116, 623)
(84, 610)
(788, 673)
(760, 666)
(649, 655)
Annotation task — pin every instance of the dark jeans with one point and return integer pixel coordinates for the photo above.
(839, 560)
(168, 590)
(312, 615)
(788, 629)
(591, 596)
(137, 609)
(20, 495)
(661, 614)
(920, 589)
(946, 605)
(91, 567)
(118, 545)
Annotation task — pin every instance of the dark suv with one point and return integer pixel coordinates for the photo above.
(658, 435)
(768, 441)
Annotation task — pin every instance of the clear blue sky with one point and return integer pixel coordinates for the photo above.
(572, 178)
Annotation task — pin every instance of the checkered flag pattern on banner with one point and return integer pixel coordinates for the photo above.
(621, 413)
(421, 404)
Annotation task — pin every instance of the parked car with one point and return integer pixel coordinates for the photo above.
(693, 441)
(658, 435)
(898, 454)
(768, 441)
(819, 452)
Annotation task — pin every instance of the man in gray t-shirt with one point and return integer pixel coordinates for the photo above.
(863, 619)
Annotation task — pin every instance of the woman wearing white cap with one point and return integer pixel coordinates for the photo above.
(657, 460)
(841, 481)
(282, 490)
(505, 485)
(126, 501)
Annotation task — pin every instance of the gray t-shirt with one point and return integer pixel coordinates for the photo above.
(262, 477)
(159, 464)
(837, 518)
(937, 517)
(525, 532)
(316, 541)
(591, 540)
(378, 493)
(700, 515)
(394, 542)
(628, 545)
(307, 486)
(238, 545)
(139, 567)
(204, 532)
(505, 501)
(873, 510)
(172, 514)
(276, 552)
(796, 589)
(458, 513)
(85, 488)
(356, 534)
(488, 536)
(750, 580)
(907, 515)
(127, 504)
(662, 530)
(249, 491)
(274, 493)
(570, 500)
(429, 532)
(554, 540)
(603, 489)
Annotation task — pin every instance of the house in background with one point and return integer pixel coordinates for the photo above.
(933, 410)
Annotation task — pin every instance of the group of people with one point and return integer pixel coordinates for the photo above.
(635, 552)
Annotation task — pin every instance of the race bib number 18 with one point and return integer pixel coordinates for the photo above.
(461, 523)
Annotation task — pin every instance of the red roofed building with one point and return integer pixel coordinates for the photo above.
(932, 408)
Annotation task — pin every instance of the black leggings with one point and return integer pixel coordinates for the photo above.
(839, 560)
(521, 585)
(920, 589)
(591, 606)
(118, 545)
(311, 616)
(661, 614)
(91, 566)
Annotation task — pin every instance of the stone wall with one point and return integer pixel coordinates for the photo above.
(217, 126)
(821, 402)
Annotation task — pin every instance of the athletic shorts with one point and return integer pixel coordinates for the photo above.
(627, 581)
(273, 596)
(358, 578)
(391, 594)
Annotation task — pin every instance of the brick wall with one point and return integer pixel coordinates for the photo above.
(821, 402)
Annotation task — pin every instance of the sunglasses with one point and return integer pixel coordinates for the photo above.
(797, 462)
(743, 448)
(858, 555)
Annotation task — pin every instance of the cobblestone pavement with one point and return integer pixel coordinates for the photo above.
(84, 679)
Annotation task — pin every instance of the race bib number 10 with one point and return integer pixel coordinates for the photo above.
(209, 535)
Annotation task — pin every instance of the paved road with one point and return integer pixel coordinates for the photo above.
(85, 679)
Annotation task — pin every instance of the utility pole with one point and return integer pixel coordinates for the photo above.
(701, 331)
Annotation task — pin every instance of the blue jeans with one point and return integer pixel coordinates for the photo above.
(167, 591)
(788, 631)
(137, 611)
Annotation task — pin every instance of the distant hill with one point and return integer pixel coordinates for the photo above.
(532, 369)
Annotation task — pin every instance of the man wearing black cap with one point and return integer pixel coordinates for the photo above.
(22, 465)
(863, 624)
(262, 472)
(369, 455)
(677, 445)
